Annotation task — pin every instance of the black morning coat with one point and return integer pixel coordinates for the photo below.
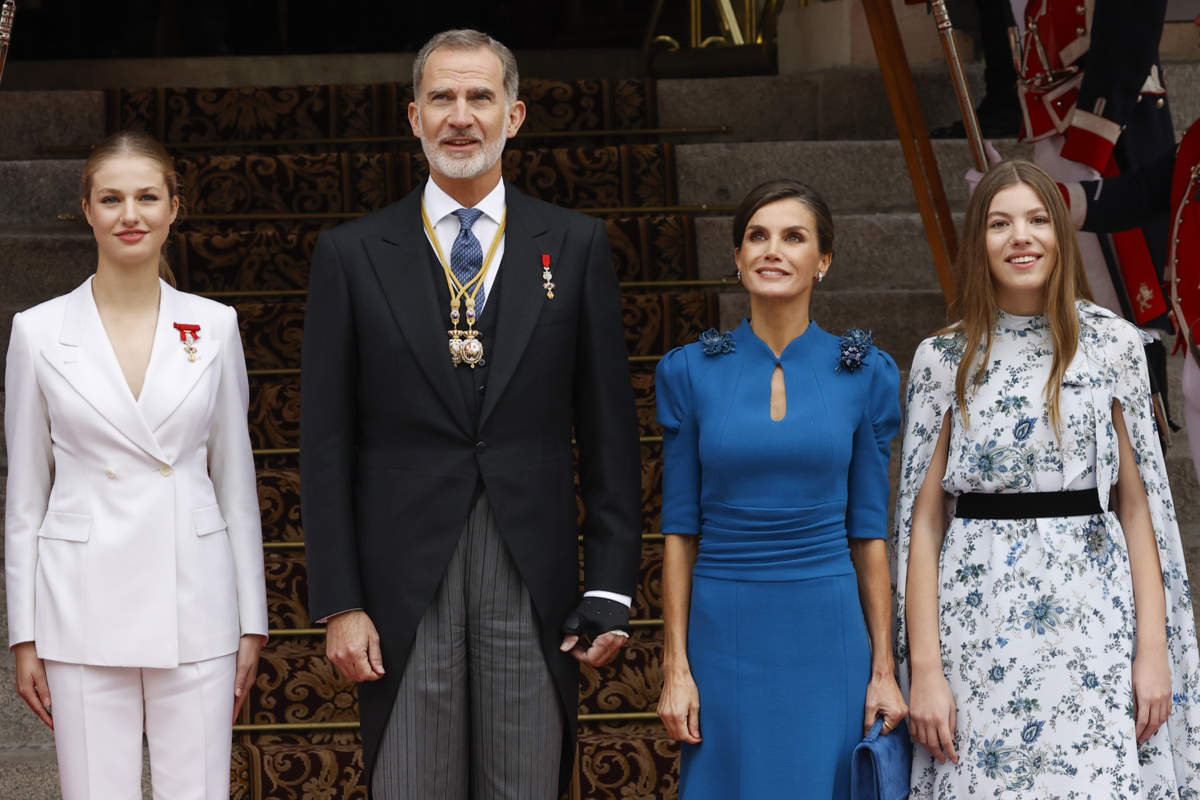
(391, 455)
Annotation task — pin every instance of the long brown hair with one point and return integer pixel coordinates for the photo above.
(136, 143)
(975, 305)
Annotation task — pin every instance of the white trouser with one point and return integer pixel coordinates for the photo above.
(98, 720)
(1191, 408)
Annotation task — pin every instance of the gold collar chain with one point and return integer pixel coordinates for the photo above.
(466, 347)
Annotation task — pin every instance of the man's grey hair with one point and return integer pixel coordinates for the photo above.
(467, 39)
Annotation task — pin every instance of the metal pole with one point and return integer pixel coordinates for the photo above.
(7, 12)
(974, 137)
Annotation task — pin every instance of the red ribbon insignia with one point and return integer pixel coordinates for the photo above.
(547, 277)
(186, 328)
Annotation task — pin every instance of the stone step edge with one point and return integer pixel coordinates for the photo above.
(649, 718)
(16, 751)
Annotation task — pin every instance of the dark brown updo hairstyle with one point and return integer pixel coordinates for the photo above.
(785, 189)
(136, 143)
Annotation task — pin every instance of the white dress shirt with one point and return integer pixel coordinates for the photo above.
(440, 208)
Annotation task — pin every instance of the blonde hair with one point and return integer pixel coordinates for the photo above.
(975, 304)
(135, 143)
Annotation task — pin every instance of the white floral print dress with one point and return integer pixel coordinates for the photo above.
(1036, 616)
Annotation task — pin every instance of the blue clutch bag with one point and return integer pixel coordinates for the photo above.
(881, 765)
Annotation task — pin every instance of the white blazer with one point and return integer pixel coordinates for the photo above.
(132, 532)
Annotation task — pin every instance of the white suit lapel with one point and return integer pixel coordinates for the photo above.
(85, 359)
(170, 374)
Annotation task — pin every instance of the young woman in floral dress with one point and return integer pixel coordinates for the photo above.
(1046, 631)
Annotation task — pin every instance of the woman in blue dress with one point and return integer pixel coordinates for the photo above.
(775, 492)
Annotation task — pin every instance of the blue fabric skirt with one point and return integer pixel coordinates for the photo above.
(782, 668)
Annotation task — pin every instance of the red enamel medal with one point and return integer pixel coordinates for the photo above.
(547, 277)
(185, 330)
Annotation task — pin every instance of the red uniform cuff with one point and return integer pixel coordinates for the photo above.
(1090, 140)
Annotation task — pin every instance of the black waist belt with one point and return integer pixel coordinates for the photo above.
(1028, 505)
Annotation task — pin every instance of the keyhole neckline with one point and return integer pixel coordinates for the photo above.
(778, 404)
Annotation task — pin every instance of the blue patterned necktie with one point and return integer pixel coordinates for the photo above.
(466, 254)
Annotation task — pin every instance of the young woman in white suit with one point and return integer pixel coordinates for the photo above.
(133, 544)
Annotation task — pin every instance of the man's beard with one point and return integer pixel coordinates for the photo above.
(463, 167)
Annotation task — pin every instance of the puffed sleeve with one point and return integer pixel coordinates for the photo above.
(231, 466)
(681, 454)
(30, 475)
(867, 488)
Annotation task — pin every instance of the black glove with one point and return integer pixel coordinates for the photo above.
(595, 616)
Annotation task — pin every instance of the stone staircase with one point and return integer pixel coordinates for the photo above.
(253, 218)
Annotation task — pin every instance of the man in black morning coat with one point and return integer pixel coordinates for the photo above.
(438, 500)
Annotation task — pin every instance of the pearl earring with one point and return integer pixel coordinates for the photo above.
(739, 274)
(820, 277)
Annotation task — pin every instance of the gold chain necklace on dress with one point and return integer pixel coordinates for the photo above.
(466, 347)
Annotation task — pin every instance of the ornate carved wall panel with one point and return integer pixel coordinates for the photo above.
(275, 255)
(282, 113)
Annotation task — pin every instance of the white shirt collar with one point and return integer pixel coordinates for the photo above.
(439, 205)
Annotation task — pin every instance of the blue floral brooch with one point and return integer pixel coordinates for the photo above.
(716, 343)
(854, 346)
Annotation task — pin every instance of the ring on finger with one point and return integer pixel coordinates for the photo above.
(887, 726)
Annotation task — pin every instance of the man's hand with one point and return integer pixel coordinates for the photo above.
(352, 644)
(31, 681)
(602, 650)
(596, 630)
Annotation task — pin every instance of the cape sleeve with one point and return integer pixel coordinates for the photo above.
(681, 443)
(867, 487)
(1131, 387)
(930, 392)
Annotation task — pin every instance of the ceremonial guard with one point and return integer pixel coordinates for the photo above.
(1183, 274)
(1094, 103)
(1169, 187)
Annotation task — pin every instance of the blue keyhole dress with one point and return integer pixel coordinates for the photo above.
(776, 638)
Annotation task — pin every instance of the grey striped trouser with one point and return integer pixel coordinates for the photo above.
(477, 716)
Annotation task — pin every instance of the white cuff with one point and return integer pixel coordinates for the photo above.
(623, 599)
(1097, 125)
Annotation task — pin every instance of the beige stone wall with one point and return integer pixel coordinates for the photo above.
(834, 33)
